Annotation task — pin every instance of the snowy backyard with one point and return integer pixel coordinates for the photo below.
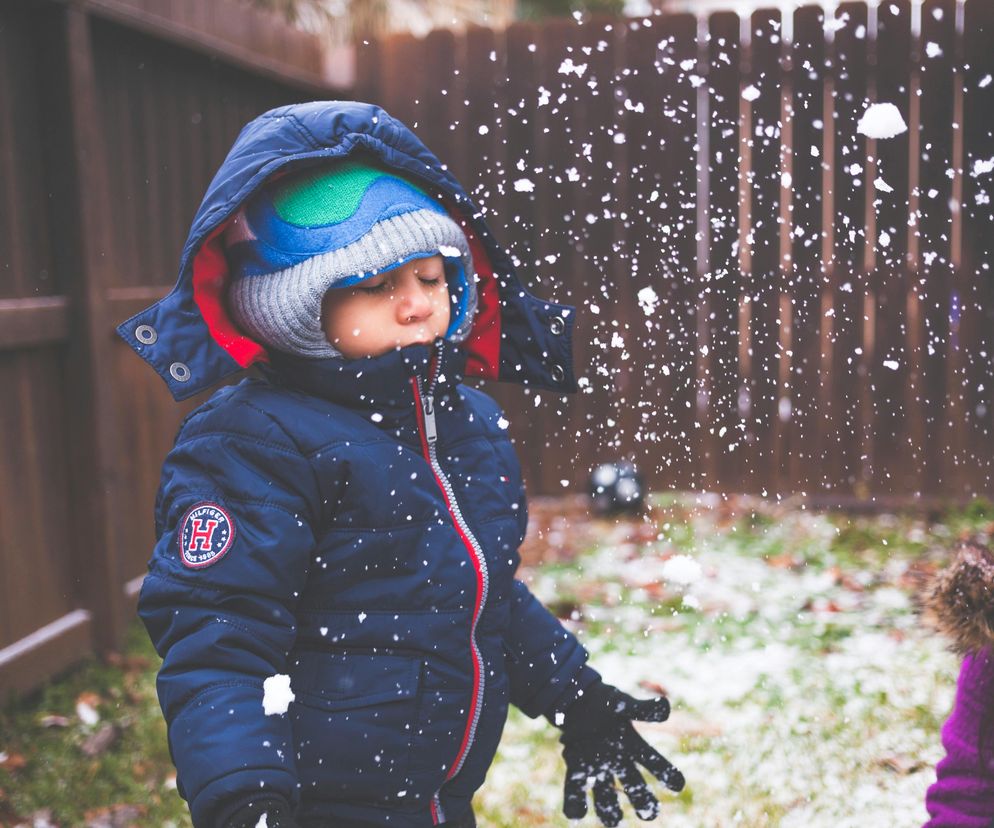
(806, 690)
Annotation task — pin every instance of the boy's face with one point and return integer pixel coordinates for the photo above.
(404, 306)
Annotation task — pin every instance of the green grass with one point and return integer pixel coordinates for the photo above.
(58, 778)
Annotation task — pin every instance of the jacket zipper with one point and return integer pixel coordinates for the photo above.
(425, 405)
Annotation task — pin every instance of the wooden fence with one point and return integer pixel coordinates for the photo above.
(769, 301)
(758, 311)
(113, 117)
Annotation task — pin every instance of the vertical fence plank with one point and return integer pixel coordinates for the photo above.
(83, 214)
(764, 279)
(846, 427)
(604, 341)
(718, 290)
(442, 109)
(803, 446)
(661, 132)
(521, 232)
(890, 374)
(974, 337)
(933, 254)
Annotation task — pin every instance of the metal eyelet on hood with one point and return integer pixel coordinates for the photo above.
(146, 334)
(179, 372)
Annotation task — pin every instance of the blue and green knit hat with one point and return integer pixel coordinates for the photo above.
(329, 227)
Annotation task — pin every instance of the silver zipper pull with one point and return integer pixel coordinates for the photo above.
(431, 434)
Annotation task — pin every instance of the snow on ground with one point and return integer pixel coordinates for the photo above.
(805, 690)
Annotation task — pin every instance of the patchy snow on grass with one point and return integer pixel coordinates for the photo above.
(805, 690)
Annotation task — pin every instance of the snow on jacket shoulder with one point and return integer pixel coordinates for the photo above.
(306, 527)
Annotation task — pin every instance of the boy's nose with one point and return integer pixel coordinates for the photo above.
(415, 305)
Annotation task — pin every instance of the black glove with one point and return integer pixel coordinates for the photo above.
(600, 742)
(277, 811)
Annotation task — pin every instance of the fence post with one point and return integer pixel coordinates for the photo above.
(81, 214)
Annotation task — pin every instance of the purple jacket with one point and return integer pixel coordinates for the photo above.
(961, 602)
(963, 794)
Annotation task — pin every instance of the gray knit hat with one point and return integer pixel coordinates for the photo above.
(332, 227)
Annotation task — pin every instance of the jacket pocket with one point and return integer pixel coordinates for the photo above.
(354, 721)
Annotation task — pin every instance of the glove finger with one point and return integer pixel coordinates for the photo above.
(645, 804)
(606, 803)
(659, 766)
(575, 792)
(649, 710)
(642, 710)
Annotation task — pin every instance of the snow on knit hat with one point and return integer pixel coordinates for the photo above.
(331, 227)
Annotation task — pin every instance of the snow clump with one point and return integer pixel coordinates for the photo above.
(681, 569)
(276, 695)
(881, 120)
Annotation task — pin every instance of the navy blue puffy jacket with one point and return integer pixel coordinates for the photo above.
(353, 524)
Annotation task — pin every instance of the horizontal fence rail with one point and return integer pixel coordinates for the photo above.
(770, 300)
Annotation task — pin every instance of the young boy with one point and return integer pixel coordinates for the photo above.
(351, 518)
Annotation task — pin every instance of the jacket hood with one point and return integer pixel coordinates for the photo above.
(960, 600)
(191, 341)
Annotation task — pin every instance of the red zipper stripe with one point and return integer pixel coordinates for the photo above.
(477, 657)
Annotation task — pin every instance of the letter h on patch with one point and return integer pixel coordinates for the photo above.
(206, 535)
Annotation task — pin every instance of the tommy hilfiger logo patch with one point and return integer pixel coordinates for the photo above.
(206, 535)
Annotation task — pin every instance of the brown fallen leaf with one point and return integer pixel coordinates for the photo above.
(901, 764)
(12, 761)
(653, 687)
(98, 742)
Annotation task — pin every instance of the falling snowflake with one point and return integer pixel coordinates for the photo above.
(524, 185)
(980, 166)
(750, 93)
(568, 67)
(648, 300)
(882, 185)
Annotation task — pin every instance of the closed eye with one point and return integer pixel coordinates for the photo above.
(380, 288)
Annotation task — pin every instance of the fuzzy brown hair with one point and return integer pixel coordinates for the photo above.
(960, 600)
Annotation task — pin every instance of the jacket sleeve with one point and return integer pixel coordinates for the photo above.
(963, 794)
(546, 663)
(233, 521)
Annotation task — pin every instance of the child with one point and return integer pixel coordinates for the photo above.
(351, 518)
(962, 604)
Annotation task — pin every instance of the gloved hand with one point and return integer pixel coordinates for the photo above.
(277, 811)
(599, 742)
